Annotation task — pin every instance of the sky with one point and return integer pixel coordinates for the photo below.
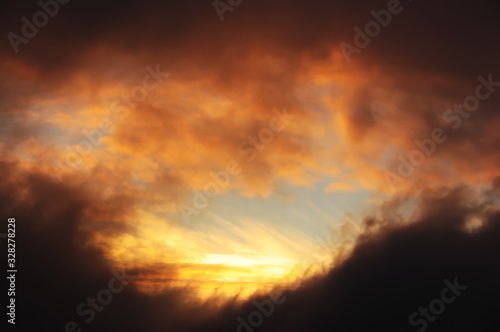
(250, 165)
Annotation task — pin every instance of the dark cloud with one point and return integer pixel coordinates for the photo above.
(444, 36)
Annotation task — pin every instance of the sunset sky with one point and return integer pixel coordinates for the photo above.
(219, 150)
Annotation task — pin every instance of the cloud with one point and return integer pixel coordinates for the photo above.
(391, 272)
(117, 205)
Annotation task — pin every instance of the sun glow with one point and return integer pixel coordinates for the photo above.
(163, 256)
